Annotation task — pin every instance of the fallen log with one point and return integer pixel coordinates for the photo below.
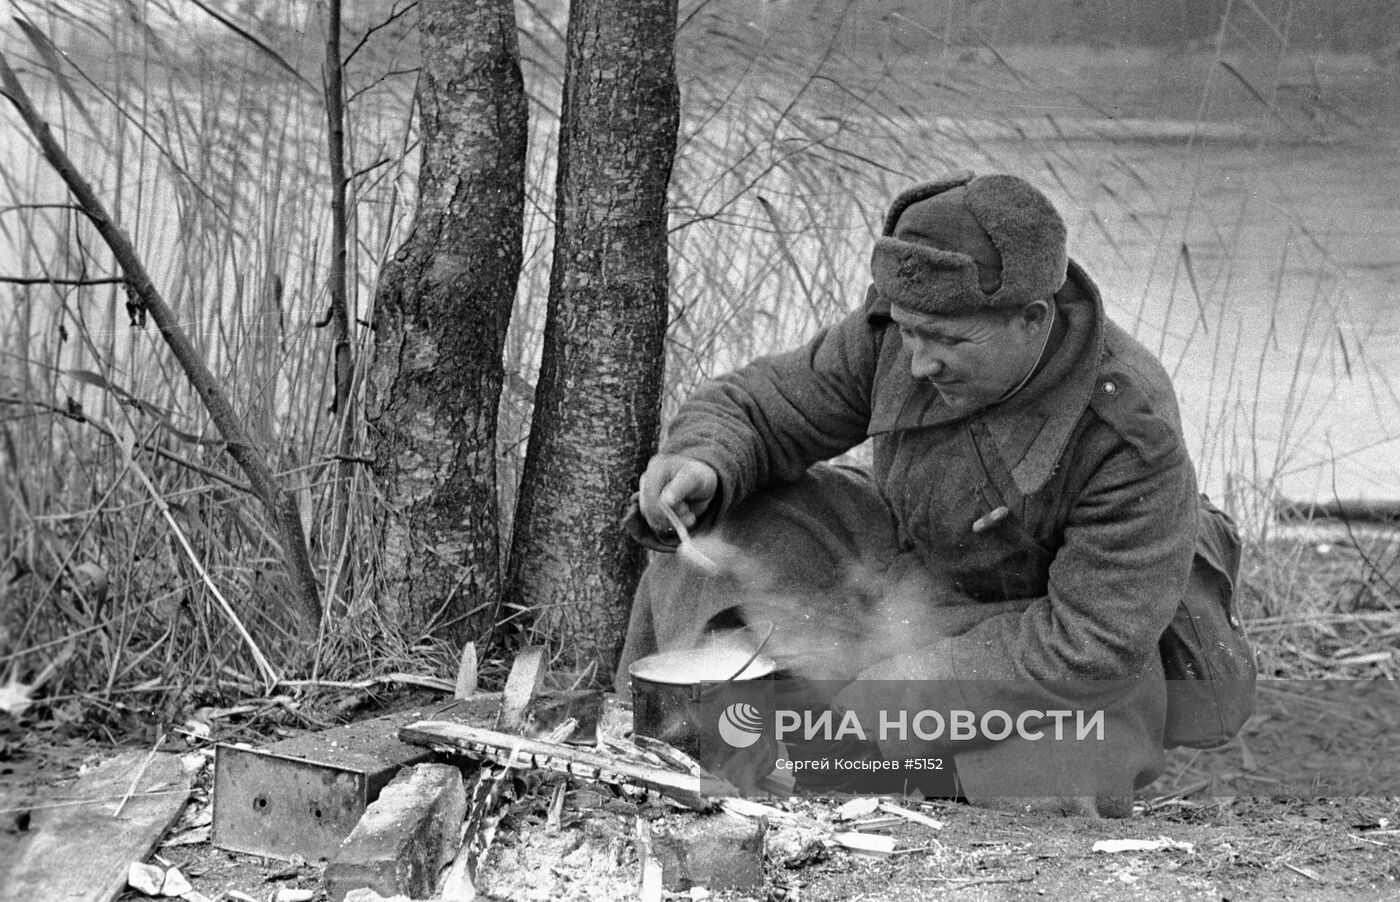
(506, 750)
(1350, 510)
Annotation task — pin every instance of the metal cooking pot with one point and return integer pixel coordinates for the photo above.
(711, 703)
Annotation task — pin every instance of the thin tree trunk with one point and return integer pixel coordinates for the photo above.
(338, 316)
(441, 313)
(597, 405)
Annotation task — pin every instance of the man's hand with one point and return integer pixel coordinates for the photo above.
(683, 484)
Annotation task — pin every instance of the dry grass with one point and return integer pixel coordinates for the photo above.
(123, 524)
(215, 167)
(1324, 602)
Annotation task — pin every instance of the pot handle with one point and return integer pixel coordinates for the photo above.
(757, 650)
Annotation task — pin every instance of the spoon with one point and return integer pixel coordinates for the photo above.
(687, 550)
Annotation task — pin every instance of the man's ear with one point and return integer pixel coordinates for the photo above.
(1035, 315)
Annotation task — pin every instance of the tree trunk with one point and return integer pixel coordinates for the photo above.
(598, 397)
(441, 313)
(338, 316)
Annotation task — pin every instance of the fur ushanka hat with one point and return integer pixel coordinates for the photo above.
(965, 244)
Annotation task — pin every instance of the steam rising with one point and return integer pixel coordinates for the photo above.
(832, 624)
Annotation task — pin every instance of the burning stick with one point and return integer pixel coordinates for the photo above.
(516, 751)
(479, 830)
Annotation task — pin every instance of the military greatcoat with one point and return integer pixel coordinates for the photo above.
(1075, 581)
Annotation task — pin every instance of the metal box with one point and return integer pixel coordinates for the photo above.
(302, 796)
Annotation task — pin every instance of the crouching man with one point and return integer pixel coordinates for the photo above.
(1028, 522)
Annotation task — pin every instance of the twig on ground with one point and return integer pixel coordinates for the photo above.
(966, 884)
(136, 780)
(1302, 871)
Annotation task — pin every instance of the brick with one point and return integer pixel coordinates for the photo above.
(369, 895)
(405, 837)
(718, 852)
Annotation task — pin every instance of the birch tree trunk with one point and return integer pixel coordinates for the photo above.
(441, 313)
(597, 401)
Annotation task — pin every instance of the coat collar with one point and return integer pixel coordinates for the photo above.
(1032, 429)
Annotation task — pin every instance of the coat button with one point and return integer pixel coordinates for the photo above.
(1110, 388)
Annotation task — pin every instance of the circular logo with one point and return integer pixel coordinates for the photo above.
(740, 725)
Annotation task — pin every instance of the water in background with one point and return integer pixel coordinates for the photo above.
(1241, 211)
(1238, 204)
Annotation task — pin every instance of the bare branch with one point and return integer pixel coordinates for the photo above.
(254, 40)
(146, 298)
(15, 208)
(46, 280)
(76, 415)
(394, 16)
